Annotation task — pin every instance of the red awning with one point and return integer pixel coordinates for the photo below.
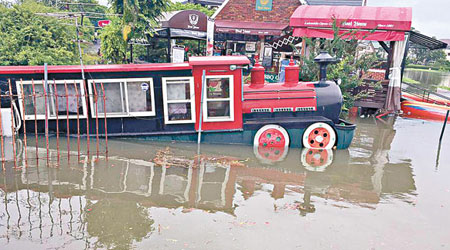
(360, 22)
(250, 28)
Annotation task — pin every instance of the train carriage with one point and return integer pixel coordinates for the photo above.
(176, 101)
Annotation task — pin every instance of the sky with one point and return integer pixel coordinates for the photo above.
(430, 17)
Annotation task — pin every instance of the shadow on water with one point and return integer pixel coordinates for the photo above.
(105, 203)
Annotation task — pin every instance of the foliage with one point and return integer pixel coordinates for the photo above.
(113, 46)
(94, 8)
(33, 39)
(410, 81)
(191, 6)
(141, 15)
(117, 224)
(425, 56)
(349, 69)
(421, 67)
(444, 87)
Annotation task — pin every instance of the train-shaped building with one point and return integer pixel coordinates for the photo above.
(205, 97)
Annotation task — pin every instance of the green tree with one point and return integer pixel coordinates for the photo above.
(426, 56)
(349, 70)
(141, 15)
(30, 39)
(113, 46)
(92, 7)
(191, 6)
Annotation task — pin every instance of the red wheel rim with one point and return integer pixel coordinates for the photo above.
(316, 157)
(272, 154)
(319, 138)
(272, 138)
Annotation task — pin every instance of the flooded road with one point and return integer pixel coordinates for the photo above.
(389, 190)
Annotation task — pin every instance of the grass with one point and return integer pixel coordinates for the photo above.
(428, 69)
(410, 81)
(444, 87)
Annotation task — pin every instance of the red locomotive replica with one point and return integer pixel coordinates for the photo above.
(204, 99)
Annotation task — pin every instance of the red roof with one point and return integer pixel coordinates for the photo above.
(94, 68)
(385, 23)
(250, 28)
(218, 60)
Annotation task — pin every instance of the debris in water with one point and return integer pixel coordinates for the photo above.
(167, 159)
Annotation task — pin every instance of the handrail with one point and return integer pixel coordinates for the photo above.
(426, 91)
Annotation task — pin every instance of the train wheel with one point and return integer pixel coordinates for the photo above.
(316, 160)
(271, 136)
(319, 135)
(270, 155)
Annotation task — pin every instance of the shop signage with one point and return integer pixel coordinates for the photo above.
(267, 57)
(271, 78)
(264, 5)
(250, 46)
(177, 54)
(187, 19)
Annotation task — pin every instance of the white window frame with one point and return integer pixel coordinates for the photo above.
(125, 107)
(230, 99)
(167, 102)
(81, 93)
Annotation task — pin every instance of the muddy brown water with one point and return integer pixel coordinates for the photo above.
(389, 190)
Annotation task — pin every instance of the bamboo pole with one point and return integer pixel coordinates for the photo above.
(104, 111)
(86, 99)
(78, 120)
(57, 120)
(13, 129)
(46, 122)
(1, 136)
(67, 121)
(96, 116)
(35, 122)
(24, 111)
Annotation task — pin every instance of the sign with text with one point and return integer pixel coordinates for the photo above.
(264, 5)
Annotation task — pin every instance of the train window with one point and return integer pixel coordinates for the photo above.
(57, 99)
(218, 104)
(179, 101)
(124, 97)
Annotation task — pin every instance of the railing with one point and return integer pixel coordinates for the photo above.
(425, 94)
(51, 102)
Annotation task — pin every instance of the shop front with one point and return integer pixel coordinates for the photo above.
(249, 27)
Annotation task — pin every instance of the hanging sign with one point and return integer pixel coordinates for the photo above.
(210, 38)
(177, 54)
(264, 5)
(267, 57)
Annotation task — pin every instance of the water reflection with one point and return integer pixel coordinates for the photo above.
(105, 203)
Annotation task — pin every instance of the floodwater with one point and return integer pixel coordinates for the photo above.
(430, 78)
(389, 190)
